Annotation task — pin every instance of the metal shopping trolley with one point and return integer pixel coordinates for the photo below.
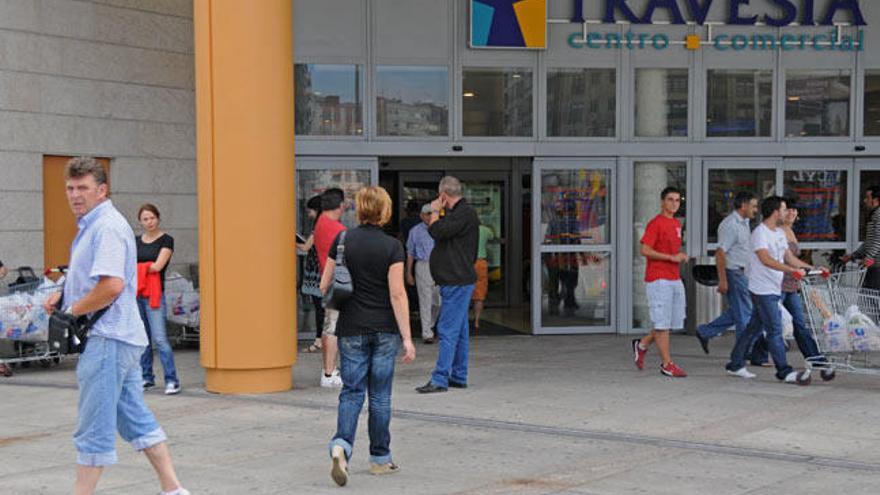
(843, 318)
(24, 324)
(182, 308)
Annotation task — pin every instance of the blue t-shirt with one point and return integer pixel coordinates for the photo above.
(105, 247)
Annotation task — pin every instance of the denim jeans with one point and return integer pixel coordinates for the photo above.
(366, 365)
(739, 307)
(765, 316)
(802, 335)
(154, 323)
(111, 399)
(453, 331)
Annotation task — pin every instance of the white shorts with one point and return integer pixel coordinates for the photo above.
(331, 316)
(666, 300)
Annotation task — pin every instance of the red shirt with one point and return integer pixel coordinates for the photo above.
(325, 233)
(664, 236)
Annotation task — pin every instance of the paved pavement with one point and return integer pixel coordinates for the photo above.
(560, 415)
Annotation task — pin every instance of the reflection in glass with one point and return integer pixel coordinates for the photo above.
(650, 178)
(820, 196)
(581, 102)
(817, 103)
(328, 100)
(872, 103)
(576, 289)
(724, 184)
(739, 103)
(488, 199)
(868, 178)
(575, 207)
(661, 102)
(412, 101)
(497, 102)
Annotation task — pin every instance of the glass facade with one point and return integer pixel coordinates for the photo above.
(817, 103)
(328, 100)
(867, 178)
(872, 103)
(575, 206)
(661, 103)
(577, 289)
(723, 186)
(581, 102)
(820, 196)
(497, 102)
(412, 101)
(739, 103)
(650, 178)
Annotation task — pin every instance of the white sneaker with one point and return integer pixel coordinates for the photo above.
(332, 381)
(742, 373)
(799, 377)
(179, 491)
(339, 469)
(172, 388)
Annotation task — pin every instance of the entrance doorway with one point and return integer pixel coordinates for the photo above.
(494, 188)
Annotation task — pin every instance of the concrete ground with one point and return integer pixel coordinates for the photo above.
(560, 415)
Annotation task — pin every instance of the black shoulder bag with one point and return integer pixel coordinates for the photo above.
(342, 287)
(68, 334)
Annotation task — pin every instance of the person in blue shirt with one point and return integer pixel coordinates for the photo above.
(419, 245)
(103, 275)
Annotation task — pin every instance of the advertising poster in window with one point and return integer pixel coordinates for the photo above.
(820, 196)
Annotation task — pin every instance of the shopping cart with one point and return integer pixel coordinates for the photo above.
(182, 307)
(843, 318)
(24, 324)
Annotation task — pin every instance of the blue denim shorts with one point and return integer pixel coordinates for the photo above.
(666, 299)
(111, 399)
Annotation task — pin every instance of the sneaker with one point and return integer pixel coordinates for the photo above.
(387, 468)
(179, 491)
(672, 370)
(148, 385)
(704, 342)
(639, 354)
(172, 388)
(332, 381)
(798, 377)
(339, 469)
(742, 373)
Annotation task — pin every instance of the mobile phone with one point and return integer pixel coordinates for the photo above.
(300, 239)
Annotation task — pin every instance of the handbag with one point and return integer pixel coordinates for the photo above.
(68, 334)
(342, 287)
(311, 282)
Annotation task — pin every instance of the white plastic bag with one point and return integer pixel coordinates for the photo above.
(836, 334)
(863, 333)
(23, 318)
(787, 325)
(182, 301)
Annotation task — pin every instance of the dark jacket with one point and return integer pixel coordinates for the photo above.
(456, 236)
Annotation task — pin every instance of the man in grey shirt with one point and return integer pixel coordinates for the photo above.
(732, 257)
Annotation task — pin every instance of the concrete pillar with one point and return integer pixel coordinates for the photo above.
(652, 103)
(649, 180)
(244, 111)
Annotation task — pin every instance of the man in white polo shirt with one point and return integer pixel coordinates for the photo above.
(770, 261)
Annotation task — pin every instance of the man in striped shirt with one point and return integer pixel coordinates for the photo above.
(871, 247)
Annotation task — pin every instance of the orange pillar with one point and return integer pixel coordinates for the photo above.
(244, 115)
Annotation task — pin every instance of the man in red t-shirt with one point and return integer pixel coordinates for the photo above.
(327, 228)
(661, 245)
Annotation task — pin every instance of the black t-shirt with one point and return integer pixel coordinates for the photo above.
(150, 252)
(369, 253)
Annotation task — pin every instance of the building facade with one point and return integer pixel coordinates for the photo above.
(566, 118)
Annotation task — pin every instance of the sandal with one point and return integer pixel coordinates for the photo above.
(313, 348)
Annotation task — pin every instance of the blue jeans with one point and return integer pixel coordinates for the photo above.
(739, 307)
(111, 399)
(154, 323)
(453, 331)
(765, 316)
(366, 365)
(802, 335)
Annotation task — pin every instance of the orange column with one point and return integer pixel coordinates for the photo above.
(244, 115)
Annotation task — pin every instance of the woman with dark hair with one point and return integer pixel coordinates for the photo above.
(154, 250)
(311, 282)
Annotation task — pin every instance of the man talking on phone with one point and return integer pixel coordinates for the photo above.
(456, 235)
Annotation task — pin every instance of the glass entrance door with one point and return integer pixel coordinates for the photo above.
(487, 193)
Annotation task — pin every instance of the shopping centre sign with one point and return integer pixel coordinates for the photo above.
(523, 24)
